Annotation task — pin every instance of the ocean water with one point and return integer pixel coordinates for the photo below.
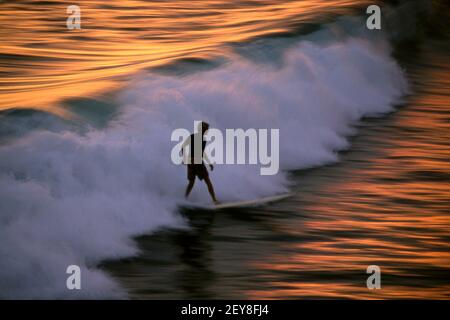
(85, 170)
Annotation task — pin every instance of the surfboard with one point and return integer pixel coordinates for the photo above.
(237, 204)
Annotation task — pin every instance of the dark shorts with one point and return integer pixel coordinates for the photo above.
(198, 170)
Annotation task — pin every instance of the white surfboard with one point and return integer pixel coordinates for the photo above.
(237, 204)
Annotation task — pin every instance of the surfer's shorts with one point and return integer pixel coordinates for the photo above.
(196, 170)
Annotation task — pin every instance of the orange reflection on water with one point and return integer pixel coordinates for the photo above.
(43, 62)
(386, 205)
(345, 291)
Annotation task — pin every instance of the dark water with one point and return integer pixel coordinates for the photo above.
(386, 203)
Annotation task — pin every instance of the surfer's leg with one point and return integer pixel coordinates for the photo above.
(189, 187)
(211, 189)
(191, 179)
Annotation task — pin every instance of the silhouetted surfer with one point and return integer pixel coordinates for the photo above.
(195, 165)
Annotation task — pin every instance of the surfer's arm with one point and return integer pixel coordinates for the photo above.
(186, 143)
(205, 157)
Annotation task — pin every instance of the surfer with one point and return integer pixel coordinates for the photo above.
(195, 165)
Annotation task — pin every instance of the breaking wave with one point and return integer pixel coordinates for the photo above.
(78, 198)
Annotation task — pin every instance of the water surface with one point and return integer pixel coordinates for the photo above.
(385, 204)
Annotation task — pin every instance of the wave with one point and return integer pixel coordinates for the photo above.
(70, 198)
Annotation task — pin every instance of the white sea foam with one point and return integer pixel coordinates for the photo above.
(71, 199)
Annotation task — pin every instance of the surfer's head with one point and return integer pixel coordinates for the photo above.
(203, 127)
